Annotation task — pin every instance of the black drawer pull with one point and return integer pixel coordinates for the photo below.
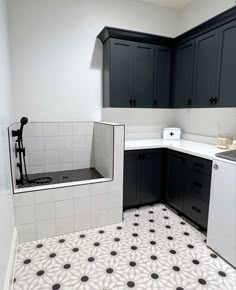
(199, 165)
(144, 47)
(196, 209)
(121, 44)
(198, 184)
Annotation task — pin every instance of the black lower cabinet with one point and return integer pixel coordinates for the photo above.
(188, 185)
(175, 184)
(131, 179)
(142, 177)
(180, 180)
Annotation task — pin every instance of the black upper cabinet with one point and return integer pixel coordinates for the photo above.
(143, 75)
(138, 70)
(118, 62)
(227, 83)
(135, 74)
(206, 70)
(183, 75)
(162, 77)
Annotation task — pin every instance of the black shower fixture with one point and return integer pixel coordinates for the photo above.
(19, 133)
(20, 149)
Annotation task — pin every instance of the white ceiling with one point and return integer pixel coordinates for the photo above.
(178, 4)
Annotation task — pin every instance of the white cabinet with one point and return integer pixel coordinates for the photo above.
(221, 236)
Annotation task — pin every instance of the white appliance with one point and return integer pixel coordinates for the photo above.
(171, 133)
(221, 236)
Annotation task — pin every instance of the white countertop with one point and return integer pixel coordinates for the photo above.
(194, 148)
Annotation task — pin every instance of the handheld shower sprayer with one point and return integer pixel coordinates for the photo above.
(19, 133)
(20, 149)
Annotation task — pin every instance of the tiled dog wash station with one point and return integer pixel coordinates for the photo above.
(72, 149)
(117, 145)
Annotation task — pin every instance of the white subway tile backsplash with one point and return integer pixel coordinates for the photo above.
(34, 144)
(99, 218)
(65, 129)
(51, 157)
(23, 199)
(83, 204)
(79, 142)
(65, 225)
(82, 191)
(65, 166)
(66, 156)
(43, 196)
(51, 168)
(35, 169)
(53, 143)
(37, 158)
(100, 202)
(99, 188)
(26, 232)
(24, 215)
(50, 129)
(63, 193)
(33, 130)
(115, 200)
(83, 221)
(77, 156)
(67, 142)
(44, 211)
(115, 215)
(64, 208)
(45, 229)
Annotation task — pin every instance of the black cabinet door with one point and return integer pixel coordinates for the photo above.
(175, 179)
(206, 70)
(131, 179)
(121, 61)
(143, 75)
(162, 77)
(227, 83)
(150, 178)
(183, 75)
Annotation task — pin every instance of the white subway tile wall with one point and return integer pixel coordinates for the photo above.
(103, 148)
(56, 146)
(50, 212)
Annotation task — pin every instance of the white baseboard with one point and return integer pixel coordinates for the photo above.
(9, 279)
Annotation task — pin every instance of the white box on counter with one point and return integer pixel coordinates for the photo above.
(171, 133)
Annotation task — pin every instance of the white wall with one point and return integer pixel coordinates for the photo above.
(207, 123)
(56, 59)
(199, 11)
(6, 207)
(141, 123)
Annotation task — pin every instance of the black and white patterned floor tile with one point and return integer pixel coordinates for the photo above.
(152, 249)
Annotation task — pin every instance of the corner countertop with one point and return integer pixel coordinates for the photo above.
(189, 147)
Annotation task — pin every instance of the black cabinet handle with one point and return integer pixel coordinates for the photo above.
(196, 209)
(131, 103)
(189, 102)
(211, 100)
(134, 102)
(215, 100)
(198, 184)
(155, 102)
(199, 165)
